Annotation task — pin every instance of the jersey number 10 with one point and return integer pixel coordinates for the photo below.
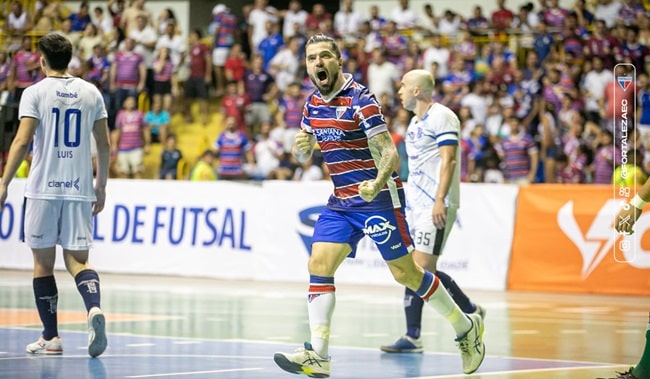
(71, 119)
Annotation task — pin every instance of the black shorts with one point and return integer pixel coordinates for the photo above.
(196, 88)
(162, 88)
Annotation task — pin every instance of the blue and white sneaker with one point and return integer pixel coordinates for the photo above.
(96, 332)
(404, 344)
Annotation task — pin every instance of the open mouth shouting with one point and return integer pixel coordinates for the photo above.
(323, 78)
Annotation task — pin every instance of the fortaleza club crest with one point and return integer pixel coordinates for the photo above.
(624, 82)
(340, 111)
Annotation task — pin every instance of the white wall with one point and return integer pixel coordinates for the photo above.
(181, 10)
(462, 7)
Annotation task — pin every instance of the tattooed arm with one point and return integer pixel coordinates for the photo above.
(382, 144)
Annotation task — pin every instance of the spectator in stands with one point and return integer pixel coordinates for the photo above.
(267, 153)
(567, 172)
(477, 100)
(232, 145)
(200, 78)
(604, 159)
(18, 21)
(97, 72)
(174, 42)
(234, 104)
(131, 140)
(53, 10)
(88, 40)
(116, 14)
(553, 15)
(429, 25)
(25, 69)
(103, 22)
(630, 51)
(478, 23)
(164, 17)
(5, 70)
(66, 31)
(376, 21)
(128, 19)
(235, 66)
(502, 17)
(439, 54)
(145, 38)
(169, 159)
(257, 19)
(450, 24)
(271, 44)
(519, 154)
(607, 10)
(403, 16)
(526, 20)
(165, 86)
(383, 75)
(347, 21)
(128, 74)
(261, 89)
(224, 27)
(285, 64)
(81, 18)
(393, 43)
(309, 170)
(317, 19)
(544, 42)
(601, 44)
(585, 17)
(203, 170)
(292, 17)
(157, 121)
(477, 146)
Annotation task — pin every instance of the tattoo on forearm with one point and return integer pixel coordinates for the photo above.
(383, 145)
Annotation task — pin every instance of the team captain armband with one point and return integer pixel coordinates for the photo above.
(637, 202)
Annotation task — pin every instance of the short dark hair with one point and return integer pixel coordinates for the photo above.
(318, 38)
(56, 49)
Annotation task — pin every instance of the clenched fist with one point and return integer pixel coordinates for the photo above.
(368, 190)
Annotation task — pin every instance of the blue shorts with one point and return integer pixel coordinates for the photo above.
(387, 228)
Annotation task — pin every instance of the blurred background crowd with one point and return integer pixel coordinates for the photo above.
(535, 88)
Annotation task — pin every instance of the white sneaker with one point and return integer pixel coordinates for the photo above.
(96, 332)
(304, 361)
(42, 346)
(472, 349)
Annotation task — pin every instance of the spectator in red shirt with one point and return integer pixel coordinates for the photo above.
(196, 86)
(317, 19)
(502, 18)
(235, 66)
(234, 105)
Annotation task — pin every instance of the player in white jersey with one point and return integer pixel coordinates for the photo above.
(58, 115)
(432, 196)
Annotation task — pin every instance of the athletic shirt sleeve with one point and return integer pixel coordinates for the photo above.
(368, 114)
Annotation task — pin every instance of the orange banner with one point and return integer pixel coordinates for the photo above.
(564, 241)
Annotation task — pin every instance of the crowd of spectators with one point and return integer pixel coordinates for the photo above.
(533, 87)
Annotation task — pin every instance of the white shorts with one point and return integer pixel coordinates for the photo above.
(426, 238)
(219, 56)
(131, 161)
(58, 222)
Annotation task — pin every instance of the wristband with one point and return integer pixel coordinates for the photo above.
(637, 202)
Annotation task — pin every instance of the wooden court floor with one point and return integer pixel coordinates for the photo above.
(563, 335)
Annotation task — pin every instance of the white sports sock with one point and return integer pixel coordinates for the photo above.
(444, 304)
(320, 307)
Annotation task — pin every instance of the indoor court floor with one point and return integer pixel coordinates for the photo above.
(177, 327)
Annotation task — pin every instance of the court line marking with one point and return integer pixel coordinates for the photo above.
(516, 372)
(262, 342)
(194, 372)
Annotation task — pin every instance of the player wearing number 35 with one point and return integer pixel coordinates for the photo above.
(346, 121)
(58, 114)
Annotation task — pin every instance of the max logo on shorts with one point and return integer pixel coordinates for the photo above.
(379, 229)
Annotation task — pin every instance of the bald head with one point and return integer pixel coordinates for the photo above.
(422, 79)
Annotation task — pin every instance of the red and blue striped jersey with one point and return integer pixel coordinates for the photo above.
(342, 126)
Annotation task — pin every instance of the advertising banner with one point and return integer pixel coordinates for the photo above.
(565, 242)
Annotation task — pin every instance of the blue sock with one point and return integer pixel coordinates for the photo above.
(413, 309)
(88, 286)
(47, 296)
(456, 293)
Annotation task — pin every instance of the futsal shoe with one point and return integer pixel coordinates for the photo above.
(405, 344)
(624, 375)
(304, 361)
(42, 346)
(480, 311)
(472, 349)
(96, 332)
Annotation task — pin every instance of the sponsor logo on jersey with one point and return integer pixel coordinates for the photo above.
(64, 184)
(328, 134)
